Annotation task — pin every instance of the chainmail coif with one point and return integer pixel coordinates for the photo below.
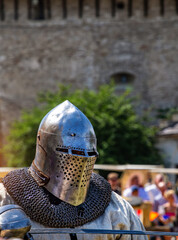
(25, 191)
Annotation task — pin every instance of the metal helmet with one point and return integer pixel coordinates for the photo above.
(65, 153)
(13, 222)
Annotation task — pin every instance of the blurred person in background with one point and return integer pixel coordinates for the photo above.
(141, 192)
(134, 199)
(135, 191)
(168, 211)
(152, 190)
(159, 198)
(113, 179)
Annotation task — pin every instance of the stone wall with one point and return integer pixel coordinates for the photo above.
(37, 55)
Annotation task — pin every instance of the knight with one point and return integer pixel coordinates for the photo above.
(60, 190)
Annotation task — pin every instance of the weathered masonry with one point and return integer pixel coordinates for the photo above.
(87, 43)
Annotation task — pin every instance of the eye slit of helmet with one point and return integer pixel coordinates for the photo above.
(78, 152)
(92, 154)
(62, 150)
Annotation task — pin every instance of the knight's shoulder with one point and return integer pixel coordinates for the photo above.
(3, 191)
(118, 199)
(5, 198)
(2, 188)
(118, 203)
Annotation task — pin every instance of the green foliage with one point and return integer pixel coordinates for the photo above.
(121, 136)
(166, 113)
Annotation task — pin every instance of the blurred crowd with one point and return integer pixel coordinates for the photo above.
(158, 191)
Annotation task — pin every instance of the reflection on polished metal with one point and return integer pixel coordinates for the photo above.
(13, 222)
(65, 153)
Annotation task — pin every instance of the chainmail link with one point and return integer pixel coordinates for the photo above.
(26, 193)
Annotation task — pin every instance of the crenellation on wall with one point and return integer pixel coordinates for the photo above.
(138, 9)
